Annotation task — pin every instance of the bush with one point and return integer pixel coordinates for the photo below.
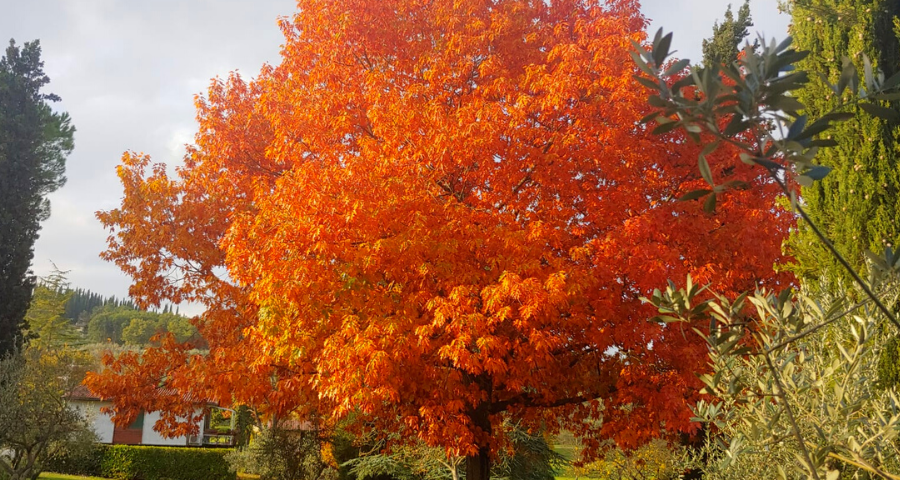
(78, 461)
(277, 454)
(128, 462)
(243, 460)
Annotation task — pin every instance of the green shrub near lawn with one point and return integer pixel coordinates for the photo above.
(83, 461)
(129, 462)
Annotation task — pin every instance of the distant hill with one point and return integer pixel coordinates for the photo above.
(83, 302)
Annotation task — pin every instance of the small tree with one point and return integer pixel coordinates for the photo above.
(46, 317)
(280, 453)
(528, 456)
(35, 419)
(794, 379)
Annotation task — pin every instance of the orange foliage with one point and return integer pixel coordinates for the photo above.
(438, 214)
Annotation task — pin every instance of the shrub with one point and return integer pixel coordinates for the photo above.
(78, 461)
(165, 463)
(129, 462)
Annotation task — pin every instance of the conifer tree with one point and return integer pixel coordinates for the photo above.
(724, 45)
(858, 204)
(34, 143)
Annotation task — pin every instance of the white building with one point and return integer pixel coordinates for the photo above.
(141, 432)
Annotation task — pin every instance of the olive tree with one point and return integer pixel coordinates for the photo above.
(36, 419)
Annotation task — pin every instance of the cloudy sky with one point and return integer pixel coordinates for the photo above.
(127, 72)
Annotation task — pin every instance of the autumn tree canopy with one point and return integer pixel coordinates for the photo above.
(437, 216)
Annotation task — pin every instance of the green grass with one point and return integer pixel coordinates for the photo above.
(62, 476)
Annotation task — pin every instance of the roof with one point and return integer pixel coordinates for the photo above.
(82, 392)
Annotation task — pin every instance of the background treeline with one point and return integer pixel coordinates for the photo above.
(83, 302)
(125, 325)
(93, 318)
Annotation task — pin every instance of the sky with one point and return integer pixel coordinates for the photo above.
(127, 72)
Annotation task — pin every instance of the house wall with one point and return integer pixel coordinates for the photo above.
(151, 437)
(100, 422)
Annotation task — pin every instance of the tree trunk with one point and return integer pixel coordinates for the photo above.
(478, 467)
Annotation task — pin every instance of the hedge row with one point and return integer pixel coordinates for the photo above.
(129, 462)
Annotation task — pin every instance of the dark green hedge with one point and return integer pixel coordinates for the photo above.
(83, 461)
(127, 462)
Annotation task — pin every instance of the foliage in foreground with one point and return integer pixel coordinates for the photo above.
(795, 383)
(36, 421)
(794, 378)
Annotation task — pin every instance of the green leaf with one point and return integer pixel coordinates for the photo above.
(891, 82)
(735, 126)
(646, 82)
(661, 49)
(694, 195)
(709, 206)
(705, 170)
(657, 101)
(797, 127)
(880, 112)
(693, 128)
(804, 181)
(887, 96)
(784, 44)
(818, 172)
(677, 67)
(868, 74)
(641, 63)
(649, 118)
(664, 128)
(786, 104)
(849, 76)
(684, 82)
(823, 142)
(838, 116)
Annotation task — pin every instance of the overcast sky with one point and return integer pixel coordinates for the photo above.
(127, 72)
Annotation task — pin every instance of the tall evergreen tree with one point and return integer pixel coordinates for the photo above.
(724, 45)
(34, 143)
(858, 204)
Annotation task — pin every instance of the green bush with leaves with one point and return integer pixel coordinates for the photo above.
(78, 461)
(128, 462)
(528, 457)
(280, 454)
(794, 383)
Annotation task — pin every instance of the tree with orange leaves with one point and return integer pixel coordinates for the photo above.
(437, 216)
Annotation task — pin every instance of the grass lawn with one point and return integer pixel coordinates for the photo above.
(62, 476)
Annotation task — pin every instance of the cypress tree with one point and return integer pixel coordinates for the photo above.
(724, 45)
(857, 205)
(34, 143)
